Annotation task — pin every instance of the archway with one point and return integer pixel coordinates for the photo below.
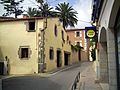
(113, 52)
(103, 57)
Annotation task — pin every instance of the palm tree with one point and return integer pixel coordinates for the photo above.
(45, 9)
(40, 1)
(67, 14)
(32, 12)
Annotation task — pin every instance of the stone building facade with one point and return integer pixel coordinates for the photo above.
(106, 17)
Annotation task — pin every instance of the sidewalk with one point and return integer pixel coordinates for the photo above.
(87, 80)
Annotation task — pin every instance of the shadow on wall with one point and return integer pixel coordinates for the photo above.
(4, 64)
(1, 55)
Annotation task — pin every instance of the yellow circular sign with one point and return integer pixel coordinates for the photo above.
(90, 33)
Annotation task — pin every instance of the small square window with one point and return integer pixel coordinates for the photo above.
(24, 52)
(51, 54)
(31, 25)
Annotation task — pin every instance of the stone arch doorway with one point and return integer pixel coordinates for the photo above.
(103, 56)
(113, 45)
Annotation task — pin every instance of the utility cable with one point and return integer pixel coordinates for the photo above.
(34, 3)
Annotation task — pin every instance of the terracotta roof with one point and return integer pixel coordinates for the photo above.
(4, 18)
(19, 19)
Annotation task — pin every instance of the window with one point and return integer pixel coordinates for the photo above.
(55, 30)
(80, 33)
(62, 35)
(77, 34)
(78, 43)
(81, 41)
(24, 52)
(67, 38)
(81, 44)
(31, 26)
(51, 54)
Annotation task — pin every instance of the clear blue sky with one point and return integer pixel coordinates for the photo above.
(83, 7)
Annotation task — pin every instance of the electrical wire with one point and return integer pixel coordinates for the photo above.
(34, 3)
(84, 21)
(52, 1)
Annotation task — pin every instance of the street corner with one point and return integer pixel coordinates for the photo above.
(44, 74)
(7, 76)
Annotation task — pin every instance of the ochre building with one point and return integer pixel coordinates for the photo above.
(33, 45)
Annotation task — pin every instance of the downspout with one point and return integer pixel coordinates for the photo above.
(42, 46)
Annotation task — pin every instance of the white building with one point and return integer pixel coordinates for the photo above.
(106, 16)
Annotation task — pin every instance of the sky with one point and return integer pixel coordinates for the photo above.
(83, 8)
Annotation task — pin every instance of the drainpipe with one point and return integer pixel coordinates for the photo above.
(42, 47)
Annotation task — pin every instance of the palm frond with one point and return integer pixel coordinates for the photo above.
(67, 14)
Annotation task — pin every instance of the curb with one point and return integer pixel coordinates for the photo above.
(43, 74)
(52, 73)
(48, 74)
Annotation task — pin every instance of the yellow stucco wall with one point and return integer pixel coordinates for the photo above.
(13, 34)
(56, 42)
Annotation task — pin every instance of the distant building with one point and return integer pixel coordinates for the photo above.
(33, 45)
(77, 37)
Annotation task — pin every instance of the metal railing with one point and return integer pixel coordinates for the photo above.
(74, 86)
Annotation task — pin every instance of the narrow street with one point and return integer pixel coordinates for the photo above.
(59, 81)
